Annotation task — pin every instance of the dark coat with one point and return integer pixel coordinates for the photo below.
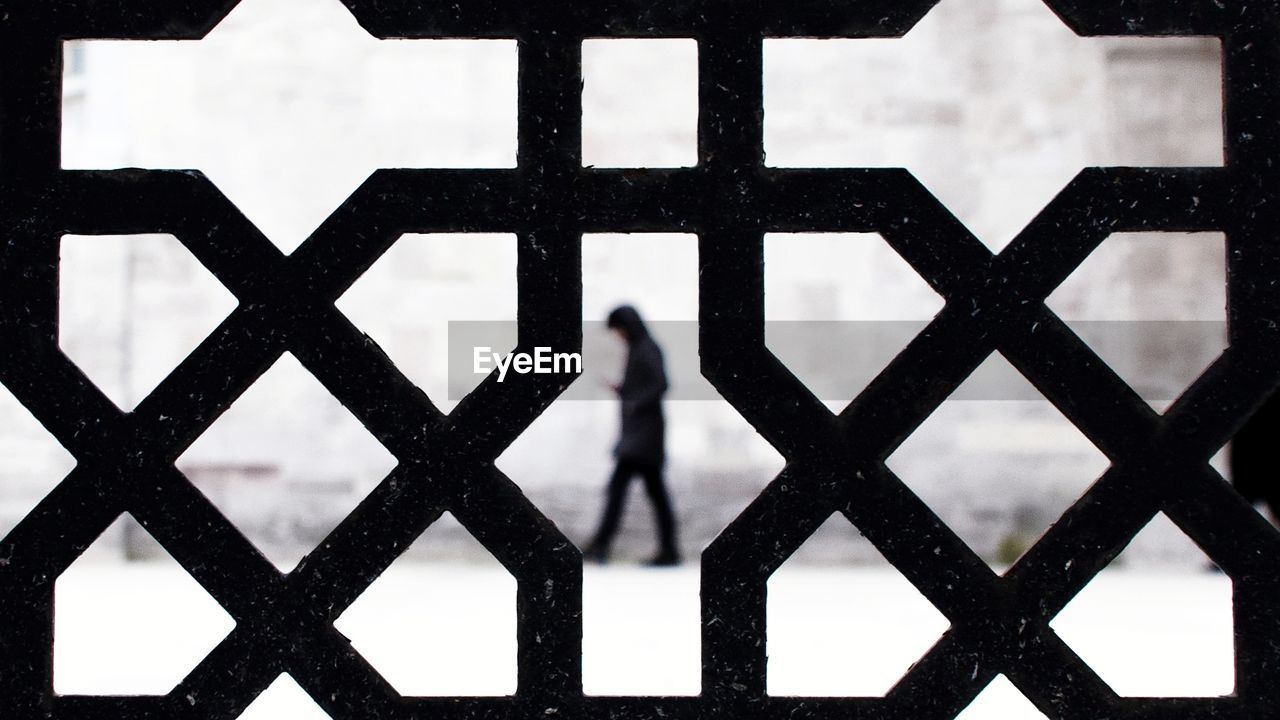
(643, 428)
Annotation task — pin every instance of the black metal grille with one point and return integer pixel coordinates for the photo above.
(730, 199)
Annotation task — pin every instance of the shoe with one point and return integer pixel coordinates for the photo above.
(595, 553)
(666, 558)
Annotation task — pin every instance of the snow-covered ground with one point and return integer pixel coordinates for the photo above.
(437, 629)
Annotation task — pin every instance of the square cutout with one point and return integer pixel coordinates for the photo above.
(640, 103)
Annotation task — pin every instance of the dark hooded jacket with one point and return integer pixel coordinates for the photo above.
(643, 428)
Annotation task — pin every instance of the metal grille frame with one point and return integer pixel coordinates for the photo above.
(835, 462)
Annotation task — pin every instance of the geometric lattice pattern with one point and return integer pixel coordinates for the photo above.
(284, 622)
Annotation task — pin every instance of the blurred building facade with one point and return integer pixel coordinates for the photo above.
(288, 106)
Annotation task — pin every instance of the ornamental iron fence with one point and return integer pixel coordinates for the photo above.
(729, 200)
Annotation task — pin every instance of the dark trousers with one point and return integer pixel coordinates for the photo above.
(617, 498)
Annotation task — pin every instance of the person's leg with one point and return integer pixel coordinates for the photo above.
(668, 550)
(615, 501)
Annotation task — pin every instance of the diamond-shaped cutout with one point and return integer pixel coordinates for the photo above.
(1001, 700)
(716, 465)
(848, 630)
(132, 307)
(562, 459)
(288, 105)
(430, 289)
(1153, 306)
(286, 462)
(283, 699)
(439, 628)
(995, 106)
(130, 629)
(998, 471)
(849, 297)
(1158, 626)
(33, 461)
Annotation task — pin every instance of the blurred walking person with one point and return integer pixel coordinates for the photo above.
(641, 443)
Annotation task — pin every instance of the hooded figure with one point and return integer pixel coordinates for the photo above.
(643, 427)
(640, 448)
